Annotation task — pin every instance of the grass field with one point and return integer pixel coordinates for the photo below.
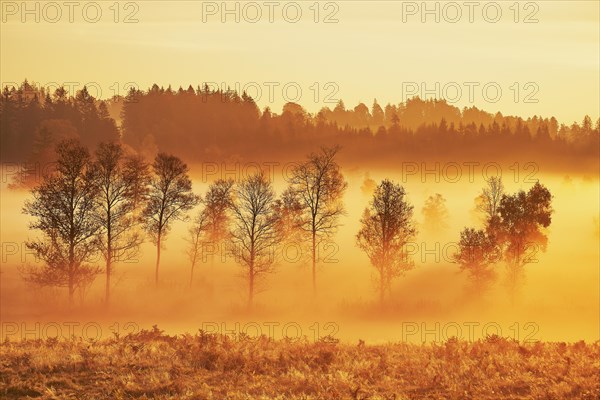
(150, 364)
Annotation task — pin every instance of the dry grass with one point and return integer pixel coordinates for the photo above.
(151, 364)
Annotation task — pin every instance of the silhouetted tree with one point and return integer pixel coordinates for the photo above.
(195, 244)
(119, 181)
(489, 199)
(476, 253)
(170, 197)
(319, 185)
(138, 172)
(63, 208)
(386, 227)
(290, 217)
(254, 230)
(521, 225)
(211, 225)
(378, 114)
(216, 206)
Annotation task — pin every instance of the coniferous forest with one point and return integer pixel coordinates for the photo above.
(202, 125)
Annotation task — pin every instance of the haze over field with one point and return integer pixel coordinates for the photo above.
(302, 200)
(560, 294)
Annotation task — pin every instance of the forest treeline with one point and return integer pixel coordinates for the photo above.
(201, 124)
(109, 202)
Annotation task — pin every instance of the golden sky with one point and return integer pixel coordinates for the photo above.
(365, 50)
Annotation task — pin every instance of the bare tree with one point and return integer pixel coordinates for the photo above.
(319, 185)
(254, 231)
(211, 225)
(195, 236)
(489, 199)
(386, 227)
(63, 208)
(120, 181)
(169, 198)
(290, 217)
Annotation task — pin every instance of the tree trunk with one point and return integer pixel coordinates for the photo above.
(108, 267)
(194, 258)
(381, 287)
(314, 262)
(108, 264)
(71, 292)
(251, 289)
(192, 274)
(71, 275)
(251, 278)
(157, 259)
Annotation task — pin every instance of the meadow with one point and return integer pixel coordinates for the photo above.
(153, 365)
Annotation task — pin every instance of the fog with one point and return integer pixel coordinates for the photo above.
(559, 300)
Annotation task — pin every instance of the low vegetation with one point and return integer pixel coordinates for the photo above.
(153, 365)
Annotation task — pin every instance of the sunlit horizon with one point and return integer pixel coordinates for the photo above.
(558, 53)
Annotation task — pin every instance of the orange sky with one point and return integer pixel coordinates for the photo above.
(369, 52)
